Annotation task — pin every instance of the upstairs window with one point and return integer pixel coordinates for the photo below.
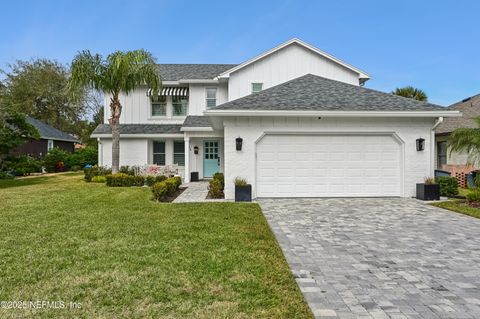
(159, 153)
(257, 87)
(159, 105)
(211, 97)
(179, 104)
(179, 153)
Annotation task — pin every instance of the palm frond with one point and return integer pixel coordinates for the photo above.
(466, 140)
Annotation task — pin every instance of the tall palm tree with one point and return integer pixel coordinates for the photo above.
(120, 72)
(411, 93)
(466, 140)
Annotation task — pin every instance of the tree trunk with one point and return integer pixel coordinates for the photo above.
(116, 110)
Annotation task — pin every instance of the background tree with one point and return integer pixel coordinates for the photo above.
(411, 93)
(38, 88)
(466, 140)
(120, 72)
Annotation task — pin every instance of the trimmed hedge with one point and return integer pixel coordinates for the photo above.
(163, 190)
(151, 180)
(93, 171)
(99, 179)
(448, 185)
(124, 180)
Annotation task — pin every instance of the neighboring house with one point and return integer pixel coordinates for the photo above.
(306, 126)
(50, 137)
(470, 108)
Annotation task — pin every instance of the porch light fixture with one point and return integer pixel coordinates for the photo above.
(195, 150)
(238, 143)
(420, 144)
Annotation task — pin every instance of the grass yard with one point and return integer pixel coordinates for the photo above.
(120, 255)
(459, 206)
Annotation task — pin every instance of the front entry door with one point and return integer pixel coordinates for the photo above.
(211, 160)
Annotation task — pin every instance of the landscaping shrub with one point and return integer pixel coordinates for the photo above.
(23, 165)
(96, 171)
(219, 176)
(53, 159)
(98, 179)
(82, 157)
(473, 197)
(448, 186)
(239, 181)
(162, 190)
(151, 180)
(127, 170)
(75, 168)
(124, 180)
(215, 189)
(5, 175)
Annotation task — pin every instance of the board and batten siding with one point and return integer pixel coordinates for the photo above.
(416, 165)
(286, 64)
(137, 109)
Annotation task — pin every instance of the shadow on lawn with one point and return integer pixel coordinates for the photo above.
(8, 183)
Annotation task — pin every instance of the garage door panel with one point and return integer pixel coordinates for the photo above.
(328, 166)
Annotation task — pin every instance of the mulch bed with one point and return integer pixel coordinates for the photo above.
(170, 199)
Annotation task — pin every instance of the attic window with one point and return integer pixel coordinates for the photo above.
(257, 87)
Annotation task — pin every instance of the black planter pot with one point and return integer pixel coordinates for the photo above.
(428, 191)
(194, 176)
(243, 193)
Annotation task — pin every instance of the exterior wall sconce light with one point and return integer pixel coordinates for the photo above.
(420, 144)
(238, 143)
(195, 150)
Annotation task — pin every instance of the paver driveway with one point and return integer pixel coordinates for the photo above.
(380, 258)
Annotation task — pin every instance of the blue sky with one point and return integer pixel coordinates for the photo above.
(432, 45)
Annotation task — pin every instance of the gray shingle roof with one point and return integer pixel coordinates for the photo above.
(48, 132)
(315, 93)
(197, 121)
(140, 129)
(175, 72)
(470, 109)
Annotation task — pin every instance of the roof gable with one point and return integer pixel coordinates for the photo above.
(363, 76)
(470, 109)
(315, 93)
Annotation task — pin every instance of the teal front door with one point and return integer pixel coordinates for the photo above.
(211, 160)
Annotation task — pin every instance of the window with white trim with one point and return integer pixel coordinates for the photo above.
(179, 104)
(159, 153)
(49, 145)
(257, 87)
(159, 105)
(179, 153)
(211, 94)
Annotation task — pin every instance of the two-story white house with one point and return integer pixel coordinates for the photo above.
(294, 121)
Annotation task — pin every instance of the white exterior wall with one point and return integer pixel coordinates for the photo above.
(416, 165)
(286, 64)
(196, 161)
(132, 152)
(137, 107)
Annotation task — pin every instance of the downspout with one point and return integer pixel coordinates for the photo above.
(432, 145)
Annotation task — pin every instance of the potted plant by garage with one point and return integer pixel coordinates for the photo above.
(428, 190)
(243, 190)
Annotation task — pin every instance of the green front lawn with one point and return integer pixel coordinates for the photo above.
(121, 255)
(459, 206)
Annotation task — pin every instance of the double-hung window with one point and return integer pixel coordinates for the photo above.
(159, 153)
(257, 87)
(179, 104)
(211, 94)
(159, 105)
(179, 153)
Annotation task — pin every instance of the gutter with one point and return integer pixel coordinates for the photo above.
(220, 112)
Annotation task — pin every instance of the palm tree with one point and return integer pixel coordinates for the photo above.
(411, 93)
(120, 72)
(466, 140)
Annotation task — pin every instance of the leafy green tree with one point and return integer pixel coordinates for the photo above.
(119, 72)
(466, 140)
(411, 93)
(38, 88)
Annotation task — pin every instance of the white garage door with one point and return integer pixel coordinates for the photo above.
(328, 166)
